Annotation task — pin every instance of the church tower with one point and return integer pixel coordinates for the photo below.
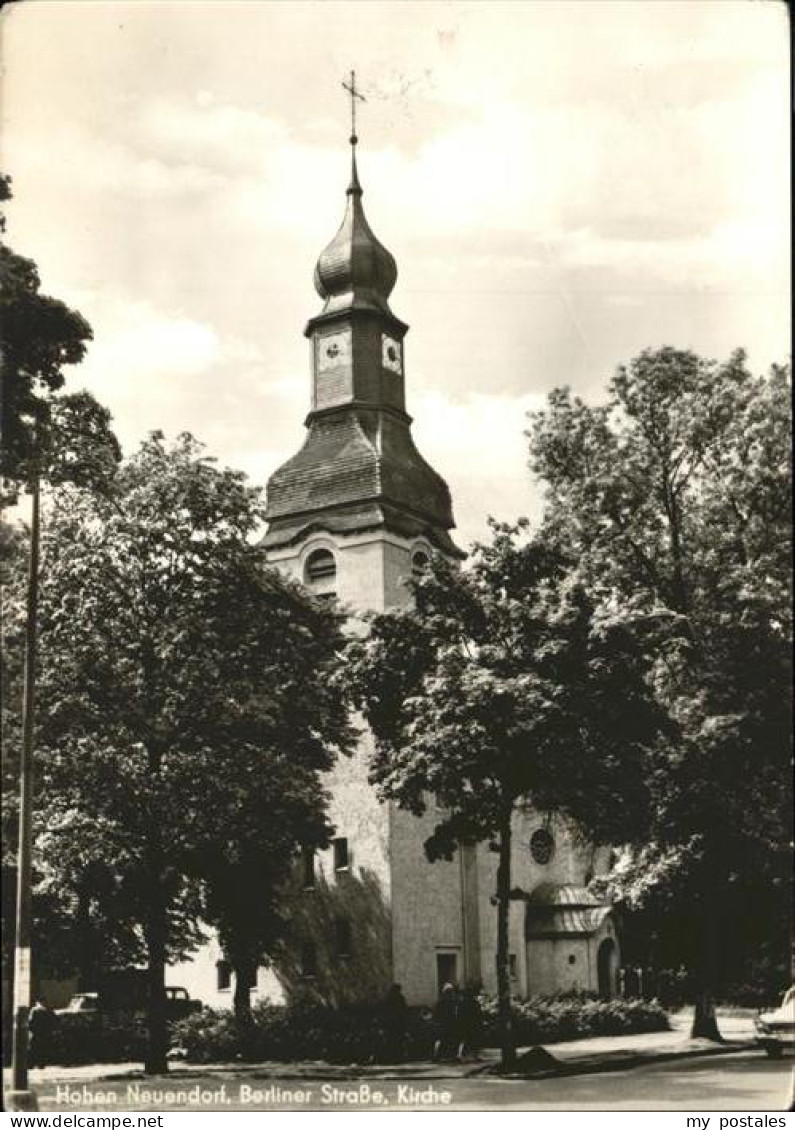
(358, 507)
(353, 514)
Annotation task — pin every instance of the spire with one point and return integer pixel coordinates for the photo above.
(354, 188)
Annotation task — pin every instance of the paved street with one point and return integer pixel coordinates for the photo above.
(741, 1081)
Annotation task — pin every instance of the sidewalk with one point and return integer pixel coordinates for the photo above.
(620, 1053)
(574, 1057)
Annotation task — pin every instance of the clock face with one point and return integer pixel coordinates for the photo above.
(391, 354)
(333, 350)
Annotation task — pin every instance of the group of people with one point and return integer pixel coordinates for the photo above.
(456, 1023)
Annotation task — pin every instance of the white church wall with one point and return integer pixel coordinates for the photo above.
(426, 908)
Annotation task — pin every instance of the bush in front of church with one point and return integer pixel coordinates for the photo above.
(356, 1034)
(572, 1015)
(353, 1034)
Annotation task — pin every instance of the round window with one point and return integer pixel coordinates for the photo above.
(542, 846)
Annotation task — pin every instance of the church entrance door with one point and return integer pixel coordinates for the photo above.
(446, 969)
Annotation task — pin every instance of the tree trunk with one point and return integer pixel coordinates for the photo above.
(705, 1024)
(156, 1061)
(504, 1018)
(245, 976)
(86, 974)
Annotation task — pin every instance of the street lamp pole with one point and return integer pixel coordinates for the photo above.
(21, 1097)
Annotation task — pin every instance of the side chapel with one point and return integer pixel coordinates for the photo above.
(353, 514)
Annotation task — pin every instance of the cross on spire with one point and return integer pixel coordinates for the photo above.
(354, 93)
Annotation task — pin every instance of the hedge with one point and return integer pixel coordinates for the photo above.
(572, 1016)
(358, 1035)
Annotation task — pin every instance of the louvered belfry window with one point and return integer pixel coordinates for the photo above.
(321, 568)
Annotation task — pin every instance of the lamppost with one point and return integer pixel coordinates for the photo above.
(21, 1097)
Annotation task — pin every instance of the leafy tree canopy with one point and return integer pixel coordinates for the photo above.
(675, 494)
(504, 686)
(186, 704)
(39, 337)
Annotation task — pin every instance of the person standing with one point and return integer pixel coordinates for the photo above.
(447, 1023)
(41, 1022)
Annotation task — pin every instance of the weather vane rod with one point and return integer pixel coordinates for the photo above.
(354, 93)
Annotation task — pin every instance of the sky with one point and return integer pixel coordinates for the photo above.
(562, 184)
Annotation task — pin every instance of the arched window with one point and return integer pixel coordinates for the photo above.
(320, 570)
(419, 562)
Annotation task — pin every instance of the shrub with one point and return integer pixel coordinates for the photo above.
(358, 1035)
(105, 1039)
(207, 1036)
(303, 1031)
(572, 1015)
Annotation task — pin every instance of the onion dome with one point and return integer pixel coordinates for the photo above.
(355, 271)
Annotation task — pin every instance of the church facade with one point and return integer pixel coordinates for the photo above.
(353, 515)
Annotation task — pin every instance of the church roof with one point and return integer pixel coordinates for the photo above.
(352, 458)
(561, 910)
(355, 271)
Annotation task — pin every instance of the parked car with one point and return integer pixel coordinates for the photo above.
(775, 1031)
(86, 1007)
(179, 1003)
(81, 1004)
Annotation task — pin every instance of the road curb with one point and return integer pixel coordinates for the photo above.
(611, 1062)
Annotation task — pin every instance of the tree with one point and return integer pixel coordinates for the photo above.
(676, 493)
(252, 931)
(182, 684)
(505, 686)
(38, 336)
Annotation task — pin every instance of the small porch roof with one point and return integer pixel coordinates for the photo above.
(560, 910)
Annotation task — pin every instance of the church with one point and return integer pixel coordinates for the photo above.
(353, 515)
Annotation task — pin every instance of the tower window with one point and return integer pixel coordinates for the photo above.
(341, 857)
(343, 937)
(321, 568)
(223, 975)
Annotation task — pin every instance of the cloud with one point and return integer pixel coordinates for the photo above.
(477, 444)
(217, 135)
(170, 372)
(144, 345)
